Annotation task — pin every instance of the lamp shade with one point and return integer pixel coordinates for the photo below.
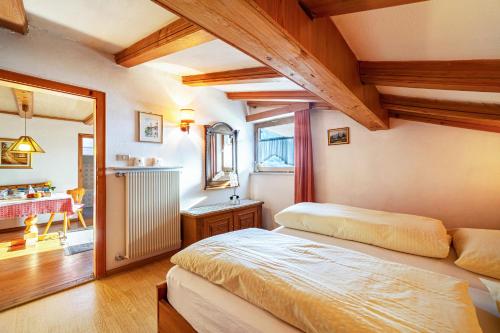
(25, 144)
(187, 116)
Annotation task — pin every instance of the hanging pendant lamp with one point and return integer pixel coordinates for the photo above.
(25, 143)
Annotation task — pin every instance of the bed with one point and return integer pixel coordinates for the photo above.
(191, 303)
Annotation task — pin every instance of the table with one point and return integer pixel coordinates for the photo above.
(56, 203)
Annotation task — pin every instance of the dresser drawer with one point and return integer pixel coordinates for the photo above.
(246, 218)
(217, 225)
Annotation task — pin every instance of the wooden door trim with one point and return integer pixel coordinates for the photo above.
(80, 156)
(100, 153)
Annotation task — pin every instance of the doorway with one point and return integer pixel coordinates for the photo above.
(44, 272)
(86, 172)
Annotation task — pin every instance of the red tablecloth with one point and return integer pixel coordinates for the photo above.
(20, 208)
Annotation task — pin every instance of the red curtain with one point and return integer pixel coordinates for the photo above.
(304, 174)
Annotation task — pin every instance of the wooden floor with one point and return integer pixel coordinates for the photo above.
(29, 277)
(124, 302)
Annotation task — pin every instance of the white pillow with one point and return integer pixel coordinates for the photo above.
(401, 232)
(478, 250)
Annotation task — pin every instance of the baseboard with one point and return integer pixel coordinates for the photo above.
(140, 263)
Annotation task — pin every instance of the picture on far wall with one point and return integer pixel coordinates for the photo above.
(338, 136)
(150, 127)
(13, 160)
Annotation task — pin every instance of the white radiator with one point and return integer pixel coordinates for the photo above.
(153, 217)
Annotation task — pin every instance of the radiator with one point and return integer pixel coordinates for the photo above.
(152, 212)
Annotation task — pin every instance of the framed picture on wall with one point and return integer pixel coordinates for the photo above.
(150, 127)
(338, 136)
(13, 160)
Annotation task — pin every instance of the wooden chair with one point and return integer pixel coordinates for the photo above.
(77, 195)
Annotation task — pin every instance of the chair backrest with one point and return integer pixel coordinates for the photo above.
(77, 194)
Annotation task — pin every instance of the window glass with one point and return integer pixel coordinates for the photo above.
(274, 150)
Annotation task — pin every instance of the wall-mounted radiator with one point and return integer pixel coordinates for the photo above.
(152, 212)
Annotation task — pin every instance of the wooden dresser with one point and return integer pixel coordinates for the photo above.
(206, 221)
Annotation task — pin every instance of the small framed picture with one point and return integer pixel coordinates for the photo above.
(150, 127)
(338, 136)
(13, 160)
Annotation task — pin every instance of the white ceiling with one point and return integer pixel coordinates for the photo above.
(112, 25)
(47, 103)
(214, 56)
(106, 25)
(429, 30)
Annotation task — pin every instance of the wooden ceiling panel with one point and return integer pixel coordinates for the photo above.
(321, 8)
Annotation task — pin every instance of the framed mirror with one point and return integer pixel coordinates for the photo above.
(221, 158)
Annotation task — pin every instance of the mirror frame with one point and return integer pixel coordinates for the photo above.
(224, 129)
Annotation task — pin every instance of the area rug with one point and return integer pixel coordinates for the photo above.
(78, 241)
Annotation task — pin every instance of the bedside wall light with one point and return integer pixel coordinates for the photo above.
(187, 118)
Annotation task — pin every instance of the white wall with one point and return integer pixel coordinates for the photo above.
(59, 139)
(127, 90)
(448, 173)
(443, 172)
(277, 192)
(60, 162)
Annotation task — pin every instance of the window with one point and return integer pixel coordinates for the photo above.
(274, 146)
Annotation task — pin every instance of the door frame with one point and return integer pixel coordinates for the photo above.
(100, 153)
(81, 136)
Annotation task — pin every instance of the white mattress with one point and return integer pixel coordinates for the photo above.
(210, 308)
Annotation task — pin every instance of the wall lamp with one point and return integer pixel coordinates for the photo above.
(187, 118)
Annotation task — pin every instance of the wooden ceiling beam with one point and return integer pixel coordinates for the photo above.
(446, 122)
(24, 100)
(311, 53)
(291, 108)
(89, 120)
(477, 115)
(245, 75)
(321, 8)
(465, 107)
(13, 16)
(257, 104)
(468, 75)
(314, 105)
(176, 36)
(42, 116)
(274, 96)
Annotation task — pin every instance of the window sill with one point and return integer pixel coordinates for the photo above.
(264, 173)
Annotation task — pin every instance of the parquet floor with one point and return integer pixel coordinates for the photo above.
(124, 302)
(27, 277)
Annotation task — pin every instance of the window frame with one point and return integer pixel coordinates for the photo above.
(270, 123)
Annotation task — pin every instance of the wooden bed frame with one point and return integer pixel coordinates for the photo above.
(169, 320)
